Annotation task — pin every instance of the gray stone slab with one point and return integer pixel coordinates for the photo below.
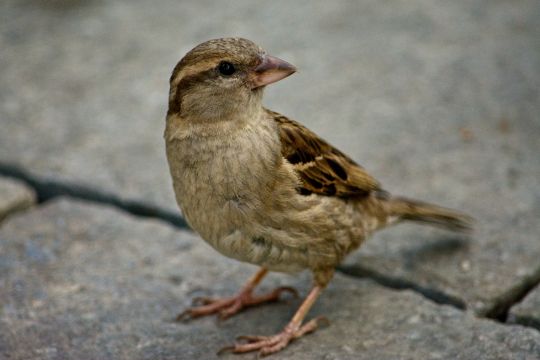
(439, 100)
(527, 312)
(485, 273)
(14, 196)
(82, 281)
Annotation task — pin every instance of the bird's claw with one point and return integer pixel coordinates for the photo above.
(266, 345)
(230, 306)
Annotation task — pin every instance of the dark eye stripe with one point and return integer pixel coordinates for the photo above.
(186, 83)
(189, 80)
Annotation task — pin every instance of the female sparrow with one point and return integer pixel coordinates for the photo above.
(262, 188)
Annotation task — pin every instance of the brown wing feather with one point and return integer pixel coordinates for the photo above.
(322, 168)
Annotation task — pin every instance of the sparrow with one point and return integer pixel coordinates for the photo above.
(264, 189)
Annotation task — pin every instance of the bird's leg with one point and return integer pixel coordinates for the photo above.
(227, 307)
(267, 345)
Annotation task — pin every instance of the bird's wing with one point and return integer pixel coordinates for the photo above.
(322, 168)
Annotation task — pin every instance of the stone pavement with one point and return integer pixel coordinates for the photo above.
(439, 100)
(528, 311)
(90, 282)
(14, 196)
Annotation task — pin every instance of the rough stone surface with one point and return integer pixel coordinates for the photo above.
(527, 312)
(439, 100)
(88, 282)
(14, 196)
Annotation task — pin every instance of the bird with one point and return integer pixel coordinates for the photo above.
(264, 189)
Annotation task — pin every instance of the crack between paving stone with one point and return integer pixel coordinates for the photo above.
(397, 283)
(526, 321)
(48, 189)
(500, 310)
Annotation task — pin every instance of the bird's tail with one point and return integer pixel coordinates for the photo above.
(401, 208)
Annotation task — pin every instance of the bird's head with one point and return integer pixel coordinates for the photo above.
(220, 78)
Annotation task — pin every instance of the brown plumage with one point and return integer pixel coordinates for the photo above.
(323, 169)
(264, 189)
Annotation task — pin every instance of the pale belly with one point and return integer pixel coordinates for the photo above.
(310, 233)
(239, 225)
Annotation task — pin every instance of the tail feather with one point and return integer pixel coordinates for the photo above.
(413, 210)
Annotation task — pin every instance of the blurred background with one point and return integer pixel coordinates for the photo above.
(426, 95)
(439, 100)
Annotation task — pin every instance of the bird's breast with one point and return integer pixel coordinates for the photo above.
(221, 182)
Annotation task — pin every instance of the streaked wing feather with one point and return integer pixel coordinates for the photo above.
(323, 169)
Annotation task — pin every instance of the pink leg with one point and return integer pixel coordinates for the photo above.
(229, 306)
(267, 345)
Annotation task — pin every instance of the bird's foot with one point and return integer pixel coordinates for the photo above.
(229, 306)
(267, 345)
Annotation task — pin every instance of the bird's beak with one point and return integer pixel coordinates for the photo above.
(270, 70)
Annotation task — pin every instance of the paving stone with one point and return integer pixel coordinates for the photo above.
(14, 196)
(439, 100)
(88, 282)
(527, 312)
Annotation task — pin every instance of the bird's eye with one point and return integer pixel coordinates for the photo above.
(226, 68)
